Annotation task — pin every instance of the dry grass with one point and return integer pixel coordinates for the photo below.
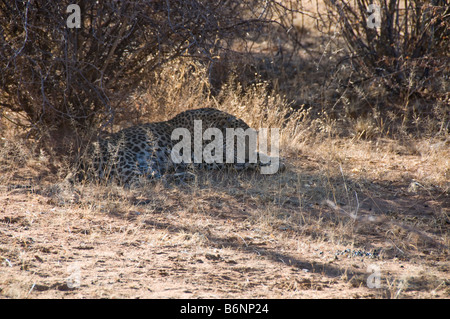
(235, 235)
(352, 186)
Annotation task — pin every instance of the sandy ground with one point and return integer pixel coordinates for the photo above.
(348, 219)
(230, 235)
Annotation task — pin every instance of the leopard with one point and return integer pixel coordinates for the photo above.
(145, 150)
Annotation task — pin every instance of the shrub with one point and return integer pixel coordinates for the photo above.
(64, 79)
(405, 54)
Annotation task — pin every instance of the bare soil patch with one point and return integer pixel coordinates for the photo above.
(227, 235)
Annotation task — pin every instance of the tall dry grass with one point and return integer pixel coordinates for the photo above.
(183, 86)
(338, 141)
